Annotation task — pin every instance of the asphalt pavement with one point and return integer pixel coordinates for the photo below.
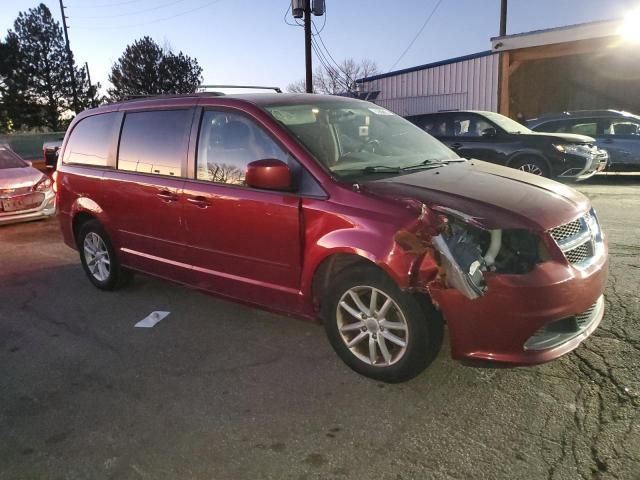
(218, 390)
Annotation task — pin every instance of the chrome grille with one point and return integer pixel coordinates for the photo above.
(578, 239)
(556, 333)
(583, 318)
(567, 230)
(579, 254)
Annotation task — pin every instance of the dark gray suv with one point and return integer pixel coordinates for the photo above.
(616, 131)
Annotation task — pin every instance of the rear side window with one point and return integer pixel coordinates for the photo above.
(90, 141)
(155, 142)
(621, 127)
(436, 126)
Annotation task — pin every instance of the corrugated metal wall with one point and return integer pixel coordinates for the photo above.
(468, 84)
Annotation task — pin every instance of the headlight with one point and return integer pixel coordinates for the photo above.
(582, 150)
(43, 185)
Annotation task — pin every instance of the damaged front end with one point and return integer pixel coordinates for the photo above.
(464, 252)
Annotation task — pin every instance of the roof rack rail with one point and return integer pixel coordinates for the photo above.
(136, 97)
(255, 87)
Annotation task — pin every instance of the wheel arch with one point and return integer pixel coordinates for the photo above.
(337, 261)
(83, 210)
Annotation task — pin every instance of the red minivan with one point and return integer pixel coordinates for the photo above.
(336, 209)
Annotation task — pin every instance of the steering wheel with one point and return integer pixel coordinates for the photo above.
(369, 146)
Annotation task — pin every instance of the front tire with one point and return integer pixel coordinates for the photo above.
(98, 257)
(378, 330)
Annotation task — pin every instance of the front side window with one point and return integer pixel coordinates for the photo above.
(91, 140)
(583, 127)
(352, 137)
(155, 141)
(228, 142)
(470, 126)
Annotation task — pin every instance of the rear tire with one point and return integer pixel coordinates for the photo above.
(532, 165)
(391, 338)
(99, 259)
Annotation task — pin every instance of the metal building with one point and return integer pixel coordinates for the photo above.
(468, 82)
(575, 67)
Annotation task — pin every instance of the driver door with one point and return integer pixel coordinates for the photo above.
(243, 242)
(468, 141)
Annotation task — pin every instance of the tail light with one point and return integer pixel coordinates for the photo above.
(54, 177)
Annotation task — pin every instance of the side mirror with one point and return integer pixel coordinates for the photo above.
(489, 132)
(29, 163)
(269, 174)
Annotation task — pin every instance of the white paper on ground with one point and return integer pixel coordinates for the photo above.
(151, 319)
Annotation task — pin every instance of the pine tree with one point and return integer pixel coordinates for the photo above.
(145, 68)
(37, 89)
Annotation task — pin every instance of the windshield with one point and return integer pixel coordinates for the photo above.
(508, 125)
(356, 137)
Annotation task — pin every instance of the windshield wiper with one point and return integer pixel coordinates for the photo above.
(428, 163)
(381, 168)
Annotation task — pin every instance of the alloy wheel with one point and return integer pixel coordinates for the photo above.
(372, 326)
(531, 168)
(96, 256)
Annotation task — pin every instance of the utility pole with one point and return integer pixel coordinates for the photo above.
(86, 67)
(74, 91)
(304, 9)
(503, 18)
(93, 98)
(307, 46)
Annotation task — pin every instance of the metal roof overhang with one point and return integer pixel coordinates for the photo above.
(570, 33)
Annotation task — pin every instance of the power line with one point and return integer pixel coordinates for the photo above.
(339, 68)
(105, 5)
(152, 21)
(327, 66)
(417, 34)
(284, 18)
(131, 13)
(324, 23)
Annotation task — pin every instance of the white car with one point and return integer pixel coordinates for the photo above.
(25, 193)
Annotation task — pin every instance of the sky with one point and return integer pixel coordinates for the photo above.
(248, 42)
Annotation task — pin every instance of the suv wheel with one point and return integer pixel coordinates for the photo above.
(98, 257)
(533, 165)
(378, 330)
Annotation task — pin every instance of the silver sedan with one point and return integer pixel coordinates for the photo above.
(25, 193)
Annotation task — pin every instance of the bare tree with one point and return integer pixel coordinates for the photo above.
(329, 79)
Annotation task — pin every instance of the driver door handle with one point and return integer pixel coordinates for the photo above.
(198, 201)
(167, 196)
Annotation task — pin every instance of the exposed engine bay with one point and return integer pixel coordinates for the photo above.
(465, 252)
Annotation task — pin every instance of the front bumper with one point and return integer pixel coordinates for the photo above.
(497, 326)
(581, 168)
(46, 209)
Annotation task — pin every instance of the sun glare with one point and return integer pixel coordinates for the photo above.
(630, 28)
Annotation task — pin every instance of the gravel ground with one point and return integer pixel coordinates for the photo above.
(222, 391)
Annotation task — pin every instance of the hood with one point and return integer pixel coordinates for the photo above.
(565, 137)
(13, 178)
(491, 196)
